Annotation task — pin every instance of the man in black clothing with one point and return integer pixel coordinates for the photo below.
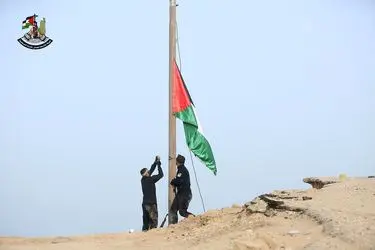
(183, 196)
(149, 204)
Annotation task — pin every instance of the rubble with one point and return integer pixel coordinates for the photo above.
(268, 204)
(256, 206)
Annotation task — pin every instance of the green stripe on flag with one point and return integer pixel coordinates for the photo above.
(195, 140)
(26, 25)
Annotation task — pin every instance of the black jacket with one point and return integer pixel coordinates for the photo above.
(148, 184)
(182, 180)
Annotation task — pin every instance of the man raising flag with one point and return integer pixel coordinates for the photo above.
(183, 195)
(149, 203)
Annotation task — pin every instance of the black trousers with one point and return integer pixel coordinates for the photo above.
(150, 216)
(180, 204)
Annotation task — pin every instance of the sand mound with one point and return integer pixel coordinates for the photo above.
(333, 215)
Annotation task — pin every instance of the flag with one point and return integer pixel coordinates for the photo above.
(29, 21)
(183, 108)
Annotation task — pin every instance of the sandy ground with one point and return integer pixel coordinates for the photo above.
(338, 216)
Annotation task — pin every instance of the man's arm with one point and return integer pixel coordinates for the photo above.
(152, 168)
(160, 174)
(178, 180)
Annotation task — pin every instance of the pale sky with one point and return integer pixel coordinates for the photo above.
(283, 90)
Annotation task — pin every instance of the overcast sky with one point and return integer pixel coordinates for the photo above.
(283, 90)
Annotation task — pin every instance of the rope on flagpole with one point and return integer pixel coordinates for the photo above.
(196, 179)
(191, 155)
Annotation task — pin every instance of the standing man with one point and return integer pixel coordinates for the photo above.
(183, 196)
(149, 204)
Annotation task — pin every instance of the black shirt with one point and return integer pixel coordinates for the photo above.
(148, 185)
(182, 180)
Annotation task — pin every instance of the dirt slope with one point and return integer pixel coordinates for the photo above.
(338, 216)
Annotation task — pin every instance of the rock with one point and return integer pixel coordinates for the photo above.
(254, 201)
(292, 208)
(59, 239)
(256, 206)
(306, 198)
(293, 232)
(268, 204)
(270, 213)
(281, 195)
(272, 202)
(318, 183)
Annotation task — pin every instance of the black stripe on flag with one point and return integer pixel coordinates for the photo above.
(27, 18)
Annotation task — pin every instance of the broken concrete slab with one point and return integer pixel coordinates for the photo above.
(256, 206)
(319, 183)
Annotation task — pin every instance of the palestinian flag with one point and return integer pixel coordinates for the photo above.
(29, 21)
(183, 108)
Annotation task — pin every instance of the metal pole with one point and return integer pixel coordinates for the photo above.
(172, 118)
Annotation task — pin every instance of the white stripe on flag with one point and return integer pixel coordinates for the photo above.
(200, 129)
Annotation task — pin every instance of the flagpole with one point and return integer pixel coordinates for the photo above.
(172, 118)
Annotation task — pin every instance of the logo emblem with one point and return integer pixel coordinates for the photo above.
(36, 37)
